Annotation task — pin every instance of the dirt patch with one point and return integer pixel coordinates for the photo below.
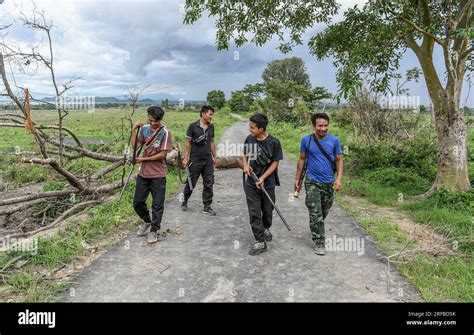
(427, 239)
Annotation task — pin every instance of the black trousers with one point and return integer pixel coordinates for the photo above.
(157, 187)
(204, 168)
(260, 210)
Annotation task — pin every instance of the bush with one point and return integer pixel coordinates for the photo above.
(459, 201)
(417, 154)
(341, 117)
(402, 178)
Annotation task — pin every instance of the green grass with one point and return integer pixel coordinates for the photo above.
(101, 227)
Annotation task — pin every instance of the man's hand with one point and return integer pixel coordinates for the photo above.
(215, 160)
(337, 186)
(297, 184)
(185, 162)
(260, 182)
(137, 124)
(139, 159)
(247, 169)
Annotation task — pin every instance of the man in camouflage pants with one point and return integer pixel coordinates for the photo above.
(324, 157)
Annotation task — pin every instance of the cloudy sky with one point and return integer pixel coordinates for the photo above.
(112, 45)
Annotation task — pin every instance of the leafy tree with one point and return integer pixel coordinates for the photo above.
(370, 41)
(216, 98)
(288, 69)
(239, 102)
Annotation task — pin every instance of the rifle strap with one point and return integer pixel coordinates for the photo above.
(325, 154)
(149, 141)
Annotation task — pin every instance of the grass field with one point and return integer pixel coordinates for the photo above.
(36, 278)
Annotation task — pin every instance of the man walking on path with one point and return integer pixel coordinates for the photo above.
(262, 153)
(156, 141)
(200, 157)
(324, 158)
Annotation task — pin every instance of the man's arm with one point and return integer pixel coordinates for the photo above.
(161, 155)
(213, 151)
(339, 168)
(187, 150)
(135, 129)
(246, 166)
(299, 169)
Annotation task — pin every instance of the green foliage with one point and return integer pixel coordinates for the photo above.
(239, 102)
(244, 20)
(216, 98)
(404, 179)
(458, 201)
(417, 154)
(290, 69)
(54, 185)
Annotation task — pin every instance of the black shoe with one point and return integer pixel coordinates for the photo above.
(258, 248)
(208, 210)
(268, 235)
(184, 206)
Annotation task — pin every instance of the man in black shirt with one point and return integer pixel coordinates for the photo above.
(200, 156)
(262, 153)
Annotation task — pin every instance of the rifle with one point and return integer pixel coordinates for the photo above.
(255, 178)
(133, 162)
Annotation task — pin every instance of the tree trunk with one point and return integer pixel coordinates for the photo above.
(451, 129)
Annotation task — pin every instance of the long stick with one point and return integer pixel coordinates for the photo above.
(255, 178)
(134, 161)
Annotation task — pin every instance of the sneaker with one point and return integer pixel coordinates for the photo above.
(258, 248)
(208, 210)
(152, 237)
(268, 235)
(320, 250)
(143, 229)
(184, 206)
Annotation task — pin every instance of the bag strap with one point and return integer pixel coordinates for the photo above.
(325, 154)
(152, 137)
(263, 149)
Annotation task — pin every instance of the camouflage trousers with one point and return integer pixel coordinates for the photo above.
(319, 199)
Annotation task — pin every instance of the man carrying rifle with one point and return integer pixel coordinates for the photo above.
(321, 153)
(262, 153)
(200, 158)
(156, 141)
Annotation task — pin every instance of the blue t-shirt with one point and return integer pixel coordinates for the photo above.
(319, 168)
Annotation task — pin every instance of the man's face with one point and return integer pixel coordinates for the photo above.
(207, 116)
(153, 122)
(254, 130)
(321, 127)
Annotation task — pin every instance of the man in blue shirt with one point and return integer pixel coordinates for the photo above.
(323, 161)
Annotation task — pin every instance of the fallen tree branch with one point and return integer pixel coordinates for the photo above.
(58, 220)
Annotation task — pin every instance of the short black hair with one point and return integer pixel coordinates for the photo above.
(316, 116)
(205, 109)
(260, 120)
(156, 112)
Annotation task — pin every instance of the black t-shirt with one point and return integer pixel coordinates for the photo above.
(200, 152)
(272, 147)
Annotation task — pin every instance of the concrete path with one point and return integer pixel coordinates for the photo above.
(206, 258)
